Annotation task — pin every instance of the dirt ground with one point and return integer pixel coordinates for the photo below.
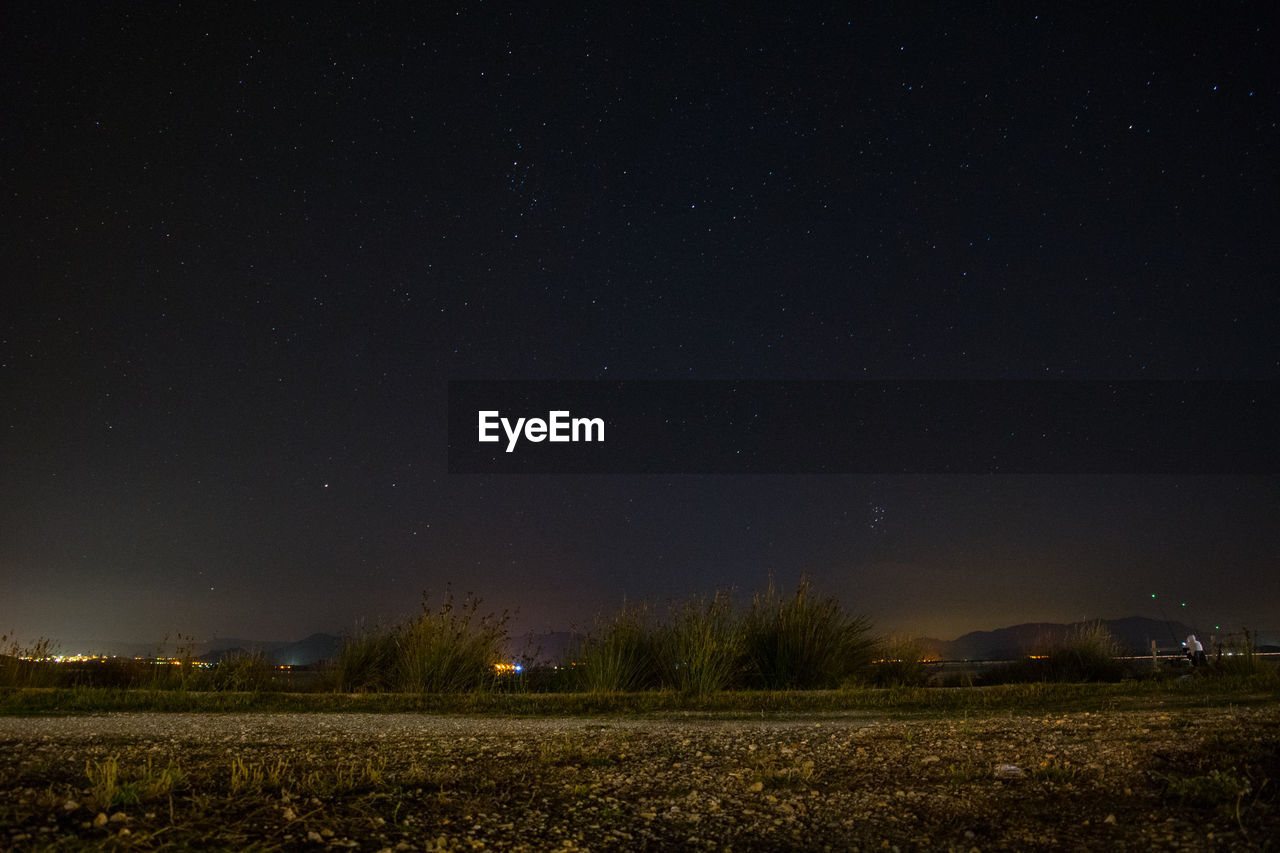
(1189, 779)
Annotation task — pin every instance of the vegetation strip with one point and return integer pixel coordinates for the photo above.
(1198, 692)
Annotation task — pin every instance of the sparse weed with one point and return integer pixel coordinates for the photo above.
(1215, 788)
(109, 787)
(257, 776)
(1056, 772)
(782, 772)
(965, 772)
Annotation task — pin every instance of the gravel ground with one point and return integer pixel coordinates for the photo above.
(1113, 780)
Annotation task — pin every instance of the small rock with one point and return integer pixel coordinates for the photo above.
(1110, 819)
(289, 814)
(70, 805)
(101, 819)
(118, 817)
(1009, 771)
(314, 837)
(756, 786)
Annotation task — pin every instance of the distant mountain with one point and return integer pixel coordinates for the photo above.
(313, 649)
(1134, 633)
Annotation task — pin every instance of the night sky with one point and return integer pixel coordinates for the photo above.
(244, 247)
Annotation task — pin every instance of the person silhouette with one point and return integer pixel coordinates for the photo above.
(1195, 651)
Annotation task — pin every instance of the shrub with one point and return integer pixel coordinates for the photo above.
(803, 641)
(700, 648)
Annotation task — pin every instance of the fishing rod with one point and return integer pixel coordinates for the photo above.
(1167, 623)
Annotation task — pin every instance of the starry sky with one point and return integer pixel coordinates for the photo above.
(247, 245)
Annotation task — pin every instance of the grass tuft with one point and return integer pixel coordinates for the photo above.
(367, 661)
(109, 787)
(620, 654)
(701, 646)
(450, 649)
(803, 641)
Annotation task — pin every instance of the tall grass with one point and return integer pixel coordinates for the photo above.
(450, 649)
(367, 660)
(1089, 652)
(900, 662)
(620, 654)
(1236, 656)
(181, 674)
(26, 666)
(446, 649)
(241, 670)
(803, 641)
(700, 649)
(704, 645)
(1086, 652)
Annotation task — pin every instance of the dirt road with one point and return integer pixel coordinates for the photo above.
(1186, 779)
